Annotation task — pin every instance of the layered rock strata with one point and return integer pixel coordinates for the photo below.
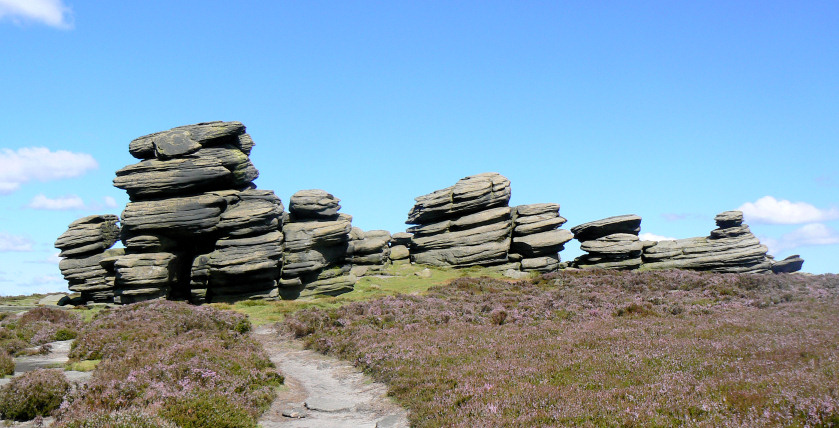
(611, 243)
(400, 244)
(317, 239)
(196, 226)
(83, 247)
(467, 224)
(368, 251)
(731, 248)
(537, 239)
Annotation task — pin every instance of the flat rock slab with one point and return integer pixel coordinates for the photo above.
(321, 391)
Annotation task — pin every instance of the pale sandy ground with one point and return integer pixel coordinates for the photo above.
(324, 392)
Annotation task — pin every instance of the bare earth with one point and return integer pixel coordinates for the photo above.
(322, 391)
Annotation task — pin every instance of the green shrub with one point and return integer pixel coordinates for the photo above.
(65, 334)
(35, 393)
(206, 411)
(131, 418)
(7, 364)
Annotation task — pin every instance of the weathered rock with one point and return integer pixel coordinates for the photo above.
(728, 219)
(542, 243)
(254, 212)
(730, 249)
(399, 252)
(211, 168)
(483, 254)
(468, 195)
(87, 235)
(547, 263)
(614, 244)
(187, 139)
(491, 233)
(313, 204)
(303, 235)
(788, 265)
(148, 243)
(146, 270)
(181, 217)
(599, 228)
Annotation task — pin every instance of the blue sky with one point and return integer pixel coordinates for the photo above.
(674, 111)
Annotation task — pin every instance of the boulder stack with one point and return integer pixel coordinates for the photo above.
(731, 248)
(400, 244)
(316, 244)
(611, 243)
(369, 250)
(83, 247)
(537, 239)
(467, 224)
(196, 226)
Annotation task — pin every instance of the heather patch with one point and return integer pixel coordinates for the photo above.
(159, 355)
(7, 364)
(600, 349)
(35, 393)
(37, 327)
(131, 418)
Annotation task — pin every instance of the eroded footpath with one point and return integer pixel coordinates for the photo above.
(321, 391)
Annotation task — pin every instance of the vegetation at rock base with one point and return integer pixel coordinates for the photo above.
(7, 364)
(35, 393)
(37, 327)
(160, 357)
(599, 348)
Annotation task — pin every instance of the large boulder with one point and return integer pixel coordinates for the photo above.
(468, 195)
(611, 243)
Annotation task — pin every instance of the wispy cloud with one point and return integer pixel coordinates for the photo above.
(653, 237)
(9, 242)
(769, 210)
(39, 163)
(69, 202)
(807, 235)
(50, 12)
(52, 259)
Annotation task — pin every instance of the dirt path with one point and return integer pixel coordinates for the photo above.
(324, 392)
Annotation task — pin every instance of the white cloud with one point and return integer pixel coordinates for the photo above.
(69, 202)
(39, 284)
(51, 12)
(772, 211)
(807, 235)
(52, 259)
(653, 237)
(39, 163)
(9, 242)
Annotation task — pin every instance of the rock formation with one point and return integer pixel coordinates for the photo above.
(196, 226)
(83, 247)
(537, 239)
(400, 244)
(316, 245)
(467, 224)
(368, 251)
(611, 243)
(731, 248)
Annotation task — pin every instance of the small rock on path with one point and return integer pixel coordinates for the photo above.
(324, 392)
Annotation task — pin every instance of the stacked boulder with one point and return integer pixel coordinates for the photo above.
(83, 246)
(368, 251)
(611, 243)
(537, 239)
(196, 227)
(400, 251)
(467, 224)
(316, 244)
(731, 248)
